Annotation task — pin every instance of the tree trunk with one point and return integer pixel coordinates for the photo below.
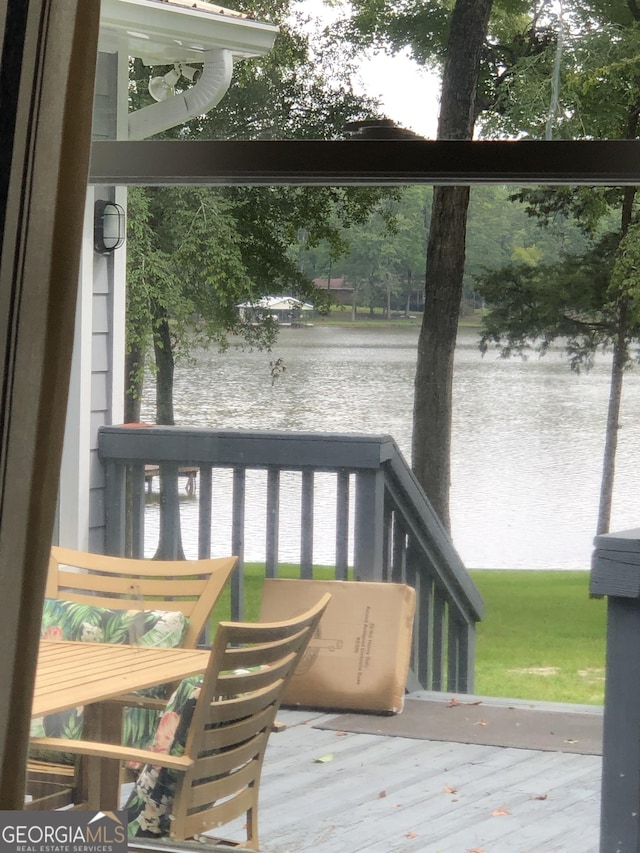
(170, 534)
(432, 415)
(163, 352)
(134, 370)
(620, 358)
(620, 355)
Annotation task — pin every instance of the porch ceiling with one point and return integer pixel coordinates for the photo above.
(162, 32)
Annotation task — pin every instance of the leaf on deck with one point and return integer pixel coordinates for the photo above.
(323, 758)
(454, 703)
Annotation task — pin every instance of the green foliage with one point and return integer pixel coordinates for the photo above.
(624, 283)
(598, 81)
(423, 26)
(301, 89)
(576, 300)
(590, 209)
(194, 254)
(390, 246)
(185, 262)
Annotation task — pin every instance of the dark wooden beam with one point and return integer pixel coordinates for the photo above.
(47, 60)
(356, 161)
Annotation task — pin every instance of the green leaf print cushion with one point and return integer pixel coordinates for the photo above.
(83, 623)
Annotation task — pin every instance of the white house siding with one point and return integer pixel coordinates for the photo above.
(97, 379)
(96, 398)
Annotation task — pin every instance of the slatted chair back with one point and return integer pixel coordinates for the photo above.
(121, 583)
(250, 666)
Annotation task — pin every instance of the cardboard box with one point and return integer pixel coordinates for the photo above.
(359, 657)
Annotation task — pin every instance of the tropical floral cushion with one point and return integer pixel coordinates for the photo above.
(150, 803)
(84, 623)
(69, 620)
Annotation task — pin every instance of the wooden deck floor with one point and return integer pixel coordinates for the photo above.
(385, 794)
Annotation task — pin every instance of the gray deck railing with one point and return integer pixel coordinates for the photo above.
(395, 534)
(615, 573)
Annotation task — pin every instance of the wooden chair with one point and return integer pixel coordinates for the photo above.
(211, 774)
(121, 583)
(191, 587)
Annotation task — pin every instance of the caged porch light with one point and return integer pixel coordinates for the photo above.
(109, 226)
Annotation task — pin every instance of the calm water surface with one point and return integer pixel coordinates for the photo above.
(527, 437)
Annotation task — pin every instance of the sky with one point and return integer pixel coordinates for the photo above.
(408, 94)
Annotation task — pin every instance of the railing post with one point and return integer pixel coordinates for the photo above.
(342, 526)
(170, 540)
(273, 523)
(306, 526)
(204, 514)
(237, 542)
(616, 574)
(115, 503)
(369, 526)
(460, 655)
(135, 547)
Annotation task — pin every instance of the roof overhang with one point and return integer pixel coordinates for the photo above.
(162, 32)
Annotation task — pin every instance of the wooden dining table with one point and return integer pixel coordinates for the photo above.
(92, 675)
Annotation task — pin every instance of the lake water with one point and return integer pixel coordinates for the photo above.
(527, 437)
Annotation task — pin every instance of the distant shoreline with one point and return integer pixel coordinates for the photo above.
(363, 319)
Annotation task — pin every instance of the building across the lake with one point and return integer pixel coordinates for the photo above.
(341, 292)
(284, 310)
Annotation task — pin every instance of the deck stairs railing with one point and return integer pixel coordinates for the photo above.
(385, 528)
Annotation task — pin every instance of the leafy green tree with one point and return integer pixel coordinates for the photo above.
(195, 254)
(287, 93)
(385, 258)
(182, 283)
(598, 96)
(432, 413)
(589, 302)
(500, 231)
(454, 38)
(529, 68)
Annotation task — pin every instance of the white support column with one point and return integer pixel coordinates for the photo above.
(118, 323)
(73, 515)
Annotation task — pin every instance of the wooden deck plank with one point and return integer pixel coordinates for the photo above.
(387, 794)
(530, 823)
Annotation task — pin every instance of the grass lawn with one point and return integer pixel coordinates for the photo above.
(542, 636)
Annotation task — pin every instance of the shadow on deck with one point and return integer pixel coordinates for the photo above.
(328, 789)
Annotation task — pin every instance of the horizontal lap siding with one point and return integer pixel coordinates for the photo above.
(105, 121)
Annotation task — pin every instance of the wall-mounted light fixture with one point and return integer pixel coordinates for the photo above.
(109, 226)
(161, 88)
